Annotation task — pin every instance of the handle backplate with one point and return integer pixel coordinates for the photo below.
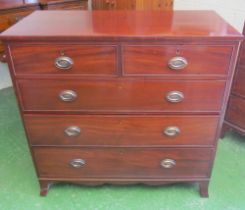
(64, 63)
(177, 63)
(77, 163)
(72, 131)
(168, 163)
(172, 131)
(68, 95)
(175, 96)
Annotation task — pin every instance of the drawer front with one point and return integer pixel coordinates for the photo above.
(155, 60)
(92, 130)
(236, 111)
(65, 59)
(121, 95)
(122, 162)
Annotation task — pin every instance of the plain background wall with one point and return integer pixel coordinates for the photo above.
(232, 11)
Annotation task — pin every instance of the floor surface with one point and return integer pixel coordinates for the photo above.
(19, 189)
(5, 80)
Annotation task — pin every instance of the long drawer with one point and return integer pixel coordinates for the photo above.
(121, 95)
(65, 59)
(176, 59)
(132, 130)
(122, 162)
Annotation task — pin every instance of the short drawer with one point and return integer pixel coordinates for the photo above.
(122, 162)
(236, 111)
(173, 59)
(65, 59)
(121, 95)
(114, 130)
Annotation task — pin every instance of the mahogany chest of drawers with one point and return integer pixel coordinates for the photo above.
(122, 97)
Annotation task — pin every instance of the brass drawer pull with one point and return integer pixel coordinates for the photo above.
(77, 163)
(172, 131)
(168, 163)
(68, 95)
(175, 96)
(72, 131)
(177, 63)
(63, 63)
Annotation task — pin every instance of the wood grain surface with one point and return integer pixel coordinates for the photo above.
(114, 130)
(122, 162)
(88, 59)
(116, 25)
(121, 95)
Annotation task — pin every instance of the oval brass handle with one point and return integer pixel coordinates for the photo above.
(177, 63)
(77, 163)
(175, 96)
(68, 95)
(172, 131)
(72, 131)
(168, 163)
(63, 63)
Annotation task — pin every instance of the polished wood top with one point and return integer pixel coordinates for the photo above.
(79, 25)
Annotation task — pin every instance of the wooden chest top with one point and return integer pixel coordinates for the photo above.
(155, 25)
